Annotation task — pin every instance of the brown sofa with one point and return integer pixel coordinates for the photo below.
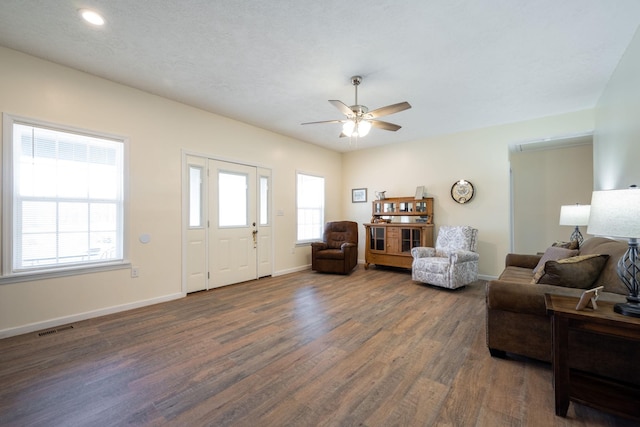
(338, 252)
(517, 321)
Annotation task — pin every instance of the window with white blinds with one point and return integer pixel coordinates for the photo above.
(310, 207)
(66, 207)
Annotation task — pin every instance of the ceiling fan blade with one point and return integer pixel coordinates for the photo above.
(342, 107)
(324, 121)
(389, 109)
(384, 125)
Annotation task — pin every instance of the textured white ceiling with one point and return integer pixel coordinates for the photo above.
(274, 64)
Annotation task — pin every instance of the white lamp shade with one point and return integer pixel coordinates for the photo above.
(574, 215)
(615, 213)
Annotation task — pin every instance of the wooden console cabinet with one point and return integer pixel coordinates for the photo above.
(398, 225)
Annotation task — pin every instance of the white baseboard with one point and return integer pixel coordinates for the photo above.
(291, 270)
(52, 323)
(486, 277)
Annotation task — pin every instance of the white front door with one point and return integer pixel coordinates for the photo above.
(233, 224)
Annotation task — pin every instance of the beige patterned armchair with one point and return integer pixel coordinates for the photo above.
(453, 263)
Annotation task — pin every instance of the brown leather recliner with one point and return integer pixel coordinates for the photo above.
(338, 252)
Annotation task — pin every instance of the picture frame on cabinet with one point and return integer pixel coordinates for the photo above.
(358, 195)
(588, 298)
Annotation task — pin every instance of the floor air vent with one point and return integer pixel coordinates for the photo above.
(53, 331)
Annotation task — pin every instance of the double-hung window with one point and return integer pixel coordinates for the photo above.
(310, 207)
(63, 198)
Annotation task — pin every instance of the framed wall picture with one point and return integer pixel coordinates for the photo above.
(358, 195)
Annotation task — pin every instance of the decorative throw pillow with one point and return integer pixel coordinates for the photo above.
(576, 272)
(567, 245)
(537, 275)
(554, 253)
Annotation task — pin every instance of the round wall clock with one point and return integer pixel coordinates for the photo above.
(462, 191)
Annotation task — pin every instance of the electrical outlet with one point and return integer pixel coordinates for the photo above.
(135, 271)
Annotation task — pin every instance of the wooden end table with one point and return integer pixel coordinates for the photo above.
(579, 386)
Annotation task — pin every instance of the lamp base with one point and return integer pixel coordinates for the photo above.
(576, 235)
(627, 309)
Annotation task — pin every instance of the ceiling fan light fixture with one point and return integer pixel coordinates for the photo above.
(357, 128)
(360, 119)
(349, 127)
(363, 128)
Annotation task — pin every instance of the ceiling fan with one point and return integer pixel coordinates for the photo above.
(359, 119)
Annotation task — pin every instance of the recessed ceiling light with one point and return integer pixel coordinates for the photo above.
(91, 17)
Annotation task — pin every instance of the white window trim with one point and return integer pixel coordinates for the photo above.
(6, 275)
(201, 213)
(264, 202)
(307, 242)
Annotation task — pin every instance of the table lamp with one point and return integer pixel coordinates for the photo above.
(575, 215)
(616, 213)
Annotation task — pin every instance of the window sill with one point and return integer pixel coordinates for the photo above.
(31, 276)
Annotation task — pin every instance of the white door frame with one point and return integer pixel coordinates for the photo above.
(261, 171)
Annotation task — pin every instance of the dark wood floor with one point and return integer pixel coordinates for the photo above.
(306, 349)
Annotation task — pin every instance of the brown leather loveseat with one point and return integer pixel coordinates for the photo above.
(338, 252)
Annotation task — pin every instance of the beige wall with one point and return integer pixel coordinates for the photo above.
(617, 136)
(480, 156)
(544, 180)
(158, 131)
